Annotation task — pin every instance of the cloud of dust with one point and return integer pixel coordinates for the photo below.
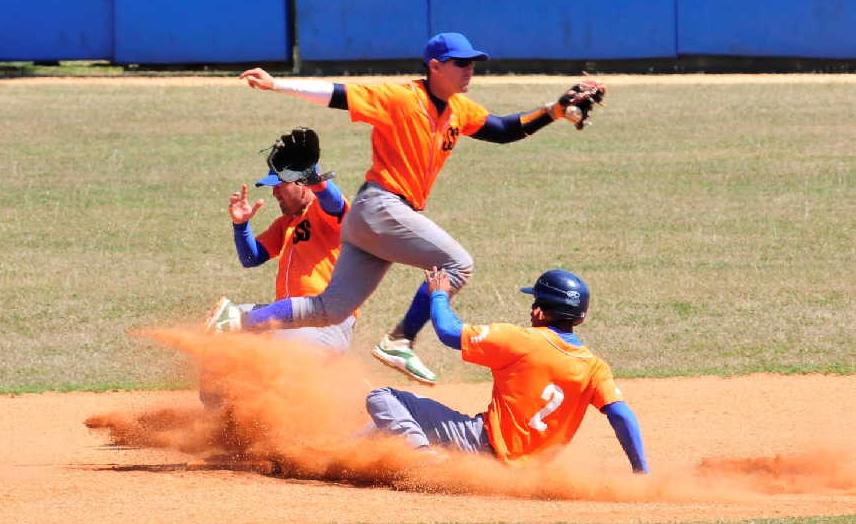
(301, 411)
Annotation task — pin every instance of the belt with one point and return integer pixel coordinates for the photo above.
(375, 185)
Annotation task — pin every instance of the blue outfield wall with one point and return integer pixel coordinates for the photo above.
(233, 31)
(506, 29)
(361, 29)
(201, 31)
(561, 30)
(56, 30)
(772, 28)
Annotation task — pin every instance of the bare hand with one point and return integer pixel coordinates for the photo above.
(239, 206)
(438, 280)
(258, 78)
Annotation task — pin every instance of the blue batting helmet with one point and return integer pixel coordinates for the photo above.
(562, 293)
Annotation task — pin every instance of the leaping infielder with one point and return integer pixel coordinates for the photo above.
(415, 128)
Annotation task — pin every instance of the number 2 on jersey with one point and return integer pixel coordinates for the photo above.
(554, 396)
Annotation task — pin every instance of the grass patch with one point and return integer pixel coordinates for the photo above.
(61, 68)
(716, 230)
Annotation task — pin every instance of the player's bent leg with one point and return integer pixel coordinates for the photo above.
(356, 275)
(390, 415)
(423, 421)
(381, 224)
(395, 232)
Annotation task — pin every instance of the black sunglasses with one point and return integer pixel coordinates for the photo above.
(462, 62)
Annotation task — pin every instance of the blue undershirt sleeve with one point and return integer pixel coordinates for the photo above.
(626, 427)
(250, 252)
(339, 99)
(331, 199)
(279, 311)
(447, 325)
(501, 129)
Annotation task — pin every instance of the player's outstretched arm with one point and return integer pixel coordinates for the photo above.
(626, 427)
(447, 325)
(574, 105)
(318, 92)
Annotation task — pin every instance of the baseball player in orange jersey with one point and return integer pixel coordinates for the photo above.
(544, 379)
(305, 237)
(415, 126)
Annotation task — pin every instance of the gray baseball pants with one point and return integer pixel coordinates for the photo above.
(380, 229)
(424, 422)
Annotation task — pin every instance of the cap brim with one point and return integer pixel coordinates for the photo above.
(272, 179)
(467, 55)
(528, 290)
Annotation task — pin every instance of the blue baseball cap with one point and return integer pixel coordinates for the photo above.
(448, 46)
(272, 179)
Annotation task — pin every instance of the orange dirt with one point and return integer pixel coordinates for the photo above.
(720, 448)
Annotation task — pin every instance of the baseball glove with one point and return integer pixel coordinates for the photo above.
(294, 157)
(583, 97)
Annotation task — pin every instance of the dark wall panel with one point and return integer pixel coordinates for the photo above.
(56, 30)
(561, 30)
(361, 29)
(201, 31)
(779, 28)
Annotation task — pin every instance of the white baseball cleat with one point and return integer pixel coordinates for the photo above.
(225, 316)
(398, 354)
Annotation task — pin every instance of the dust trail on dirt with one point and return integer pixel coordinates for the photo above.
(297, 412)
(820, 470)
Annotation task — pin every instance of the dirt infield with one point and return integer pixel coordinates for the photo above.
(720, 448)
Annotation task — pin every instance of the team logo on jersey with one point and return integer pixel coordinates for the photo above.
(301, 232)
(450, 138)
(483, 332)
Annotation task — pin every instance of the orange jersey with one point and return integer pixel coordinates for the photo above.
(307, 246)
(542, 386)
(410, 141)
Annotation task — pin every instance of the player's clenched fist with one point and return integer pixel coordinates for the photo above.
(239, 206)
(258, 78)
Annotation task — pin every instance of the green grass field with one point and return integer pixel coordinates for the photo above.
(714, 223)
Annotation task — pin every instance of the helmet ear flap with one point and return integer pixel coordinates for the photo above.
(561, 312)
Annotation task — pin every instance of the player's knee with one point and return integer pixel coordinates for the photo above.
(377, 401)
(460, 274)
